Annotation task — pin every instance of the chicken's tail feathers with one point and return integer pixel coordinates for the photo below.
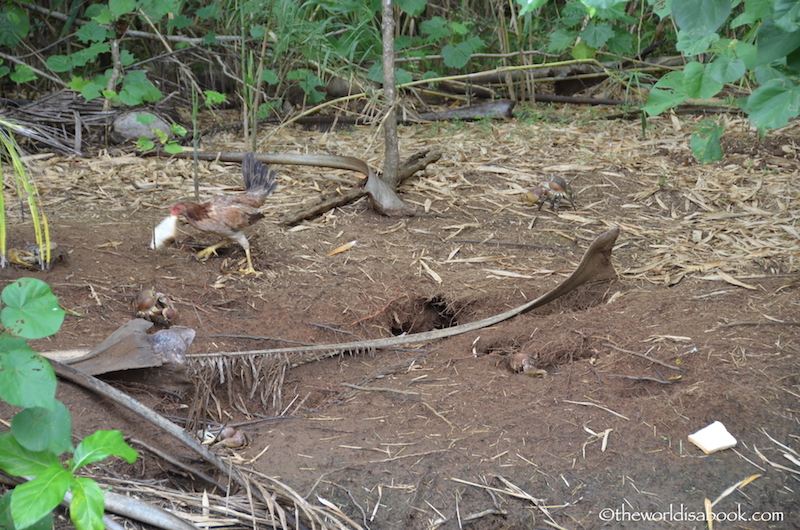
(257, 175)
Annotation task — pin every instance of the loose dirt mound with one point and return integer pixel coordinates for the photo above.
(443, 434)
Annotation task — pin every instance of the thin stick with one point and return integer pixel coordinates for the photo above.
(590, 404)
(360, 320)
(643, 356)
(379, 389)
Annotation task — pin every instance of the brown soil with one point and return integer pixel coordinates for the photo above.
(439, 430)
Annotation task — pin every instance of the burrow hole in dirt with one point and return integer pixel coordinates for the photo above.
(424, 314)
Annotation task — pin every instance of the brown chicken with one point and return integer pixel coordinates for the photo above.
(228, 215)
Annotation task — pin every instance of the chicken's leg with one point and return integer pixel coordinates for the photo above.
(239, 238)
(206, 252)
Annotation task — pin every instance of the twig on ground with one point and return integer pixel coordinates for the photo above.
(646, 357)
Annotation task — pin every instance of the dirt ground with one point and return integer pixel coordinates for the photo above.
(442, 434)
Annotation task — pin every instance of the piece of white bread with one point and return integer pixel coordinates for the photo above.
(165, 231)
(713, 438)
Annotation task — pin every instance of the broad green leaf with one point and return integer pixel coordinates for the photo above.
(583, 51)
(258, 31)
(6, 523)
(436, 28)
(179, 22)
(726, 70)
(596, 35)
(209, 12)
(41, 429)
(622, 43)
(92, 32)
(32, 310)
(100, 445)
(144, 144)
(59, 63)
(99, 14)
(787, 15)
(774, 43)
(705, 141)
(4, 70)
(459, 28)
(456, 56)
(91, 90)
(173, 148)
(82, 57)
(602, 4)
(121, 7)
(701, 17)
(694, 44)
(126, 58)
(18, 461)
(22, 74)
(411, 7)
(145, 118)
(754, 10)
(15, 25)
(210, 38)
(26, 378)
(78, 82)
(772, 105)
(86, 507)
(36, 498)
(270, 77)
(213, 98)
(697, 83)
(667, 93)
(561, 39)
(136, 89)
(526, 6)
(662, 8)
(747, 52)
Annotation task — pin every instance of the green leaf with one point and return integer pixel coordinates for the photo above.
(92, 32)
(22, 74)
(787, 15)
(178, 130)
(694, 44)
(99, 14)
(87, 505)
(726, 70)
(700, 17)
(456, 56)
(705, 141)
(59, 63)
(210, 11)
(15, 25)
(32, 310)
(622, 43)
(18, 461)
(40, 429)
(213, 98)
(412, 7)
(754, 10)
(100, 445)
(772, 105)
(436, 28)
(121, 7)
(459, 28)
(583, 51)
(6, 523)
(601, 4)
(270, 77)
(26, 378)
(210, 38)
(561, 39)
(529, 5)
(145, 144)
(91, 91)
(662, 8)
(126, 58)
(179, 22)
(81, 57)
(173, 147)
(596, 35)
(697, 83)
(136, 89)
(36, 498)
(145, 118)
(4, 71)
(747, 52)
(667, 93)
(774, 43)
